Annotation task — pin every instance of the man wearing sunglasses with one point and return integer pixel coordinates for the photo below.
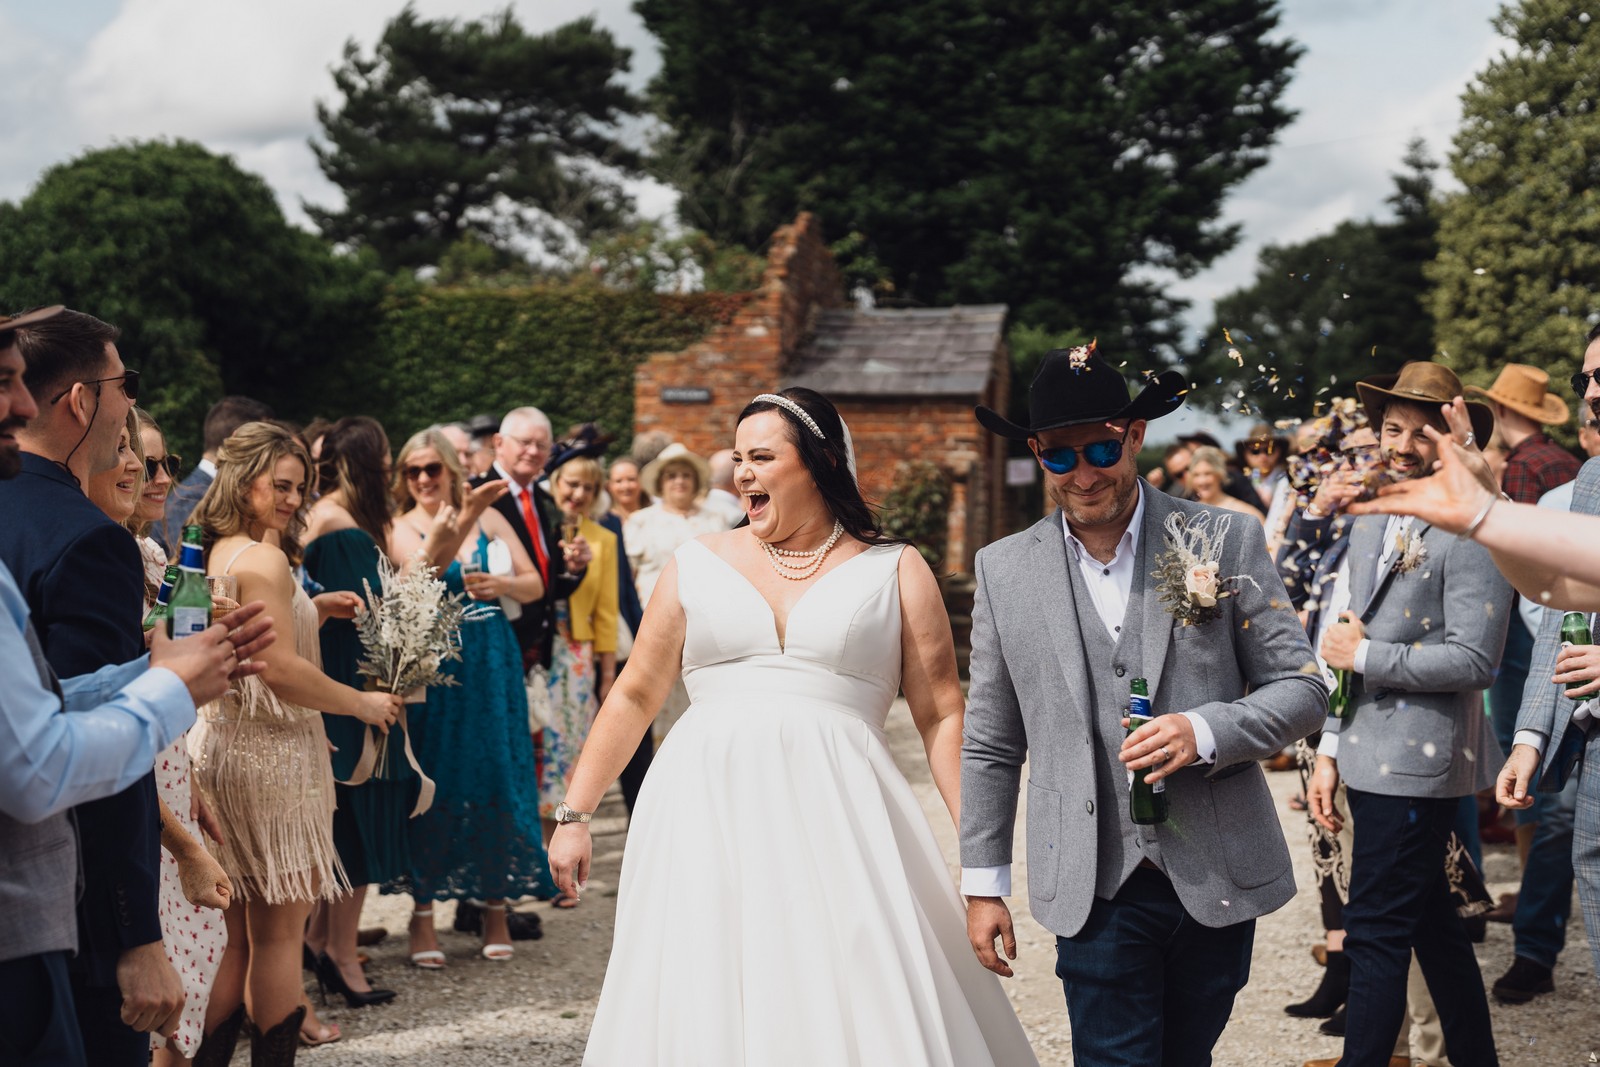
(1154, 924)
(83, 580)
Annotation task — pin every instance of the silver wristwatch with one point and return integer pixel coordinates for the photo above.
(565, 814)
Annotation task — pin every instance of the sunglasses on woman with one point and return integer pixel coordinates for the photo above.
(432, 470)
(171, 463)
(1100, 454)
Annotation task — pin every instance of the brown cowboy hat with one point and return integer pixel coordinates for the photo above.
(1425, 383)
(1526, 390)
(29, 318)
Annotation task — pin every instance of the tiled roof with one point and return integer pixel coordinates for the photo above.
(901, 352)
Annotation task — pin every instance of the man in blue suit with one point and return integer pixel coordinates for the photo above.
(83, 580)
(224, 417)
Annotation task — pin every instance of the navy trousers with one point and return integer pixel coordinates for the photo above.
(38, 1026)
(1399, 901)
(1146, 984)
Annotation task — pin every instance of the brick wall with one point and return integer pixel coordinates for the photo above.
(747, 356)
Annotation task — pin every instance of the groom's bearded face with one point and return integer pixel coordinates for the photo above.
(1092, 496)
(1406, 447)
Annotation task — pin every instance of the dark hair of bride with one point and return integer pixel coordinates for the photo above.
(825, 458)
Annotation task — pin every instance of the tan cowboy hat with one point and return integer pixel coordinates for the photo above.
(674, 453)
(1422, 382)
(1526, 390)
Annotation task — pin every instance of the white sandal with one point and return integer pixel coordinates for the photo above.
(429, 959)
(499, 953)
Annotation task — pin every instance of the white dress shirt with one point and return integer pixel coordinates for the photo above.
(1110, 585)
(518, 491)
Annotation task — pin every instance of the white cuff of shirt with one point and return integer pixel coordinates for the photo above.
(1361, 655)
(1532, 738)
(1205, 742)
(986, 881)
(1329, 745)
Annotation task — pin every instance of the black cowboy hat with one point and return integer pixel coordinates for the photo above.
(1075, 386)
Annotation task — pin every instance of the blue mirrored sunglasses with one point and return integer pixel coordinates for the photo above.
(1100, 454)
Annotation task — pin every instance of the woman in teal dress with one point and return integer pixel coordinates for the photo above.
(346, 527)
(481, 838)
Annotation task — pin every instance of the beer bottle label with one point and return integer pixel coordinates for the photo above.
(187, 622)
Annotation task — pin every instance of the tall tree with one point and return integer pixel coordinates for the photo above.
(1042, 155)
(1519, 246)
(1326, 311)
(451, 128)
(192, 257)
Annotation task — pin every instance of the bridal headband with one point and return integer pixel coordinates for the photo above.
(794, 409)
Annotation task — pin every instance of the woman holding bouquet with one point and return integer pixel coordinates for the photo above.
(481, 838)
(261, 754)
(348, 533)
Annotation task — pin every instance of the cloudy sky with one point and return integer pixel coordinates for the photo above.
(243, 76)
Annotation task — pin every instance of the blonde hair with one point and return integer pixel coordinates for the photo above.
(138, 419)
(1211, 457)
(434, 439)
(253, 450)
(588, 468)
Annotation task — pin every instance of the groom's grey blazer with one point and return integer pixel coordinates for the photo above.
(1249, 674)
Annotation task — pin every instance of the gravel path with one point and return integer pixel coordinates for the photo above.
(536, 1009)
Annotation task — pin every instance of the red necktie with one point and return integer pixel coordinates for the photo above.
(536, 535)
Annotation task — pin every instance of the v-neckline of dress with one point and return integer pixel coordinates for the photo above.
(781, 637)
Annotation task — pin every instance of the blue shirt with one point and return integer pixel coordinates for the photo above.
(122, 717)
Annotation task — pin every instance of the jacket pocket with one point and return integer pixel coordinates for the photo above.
(1247, 825)
(1044, 841)
(1413, 739)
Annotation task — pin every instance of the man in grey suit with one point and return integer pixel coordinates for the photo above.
(1154, 923)
(1423, 635)
(1555, 738)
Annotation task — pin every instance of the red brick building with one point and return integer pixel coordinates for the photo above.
(904, 380)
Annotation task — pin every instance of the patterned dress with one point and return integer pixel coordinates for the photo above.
(194, 937)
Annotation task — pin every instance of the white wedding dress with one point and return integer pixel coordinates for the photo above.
(783, 901)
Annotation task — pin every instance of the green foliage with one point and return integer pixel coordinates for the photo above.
(1519, 246)
(569, 348)
(454, 127)
(1043, 156)
(1324, 312)
(917, 508)
(215, 292)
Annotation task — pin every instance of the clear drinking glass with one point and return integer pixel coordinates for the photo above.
(223, 587)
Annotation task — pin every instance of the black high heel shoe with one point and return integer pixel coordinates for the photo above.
(328, 977)
(1331, 992)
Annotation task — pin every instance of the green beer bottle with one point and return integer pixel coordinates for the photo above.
(1575, 629)
(159, 612)
(1147, 803)
(1344, 682)
(189, 608)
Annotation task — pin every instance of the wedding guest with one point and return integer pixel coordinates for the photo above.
(1426, 626)
(223, 417)
(584, 664)
(160, 475)
(481, 838)
(622, 485)
(261, 755)
(674, 479)
(720, 496)
(1235, 484)
(630, 613)
(1208, 475)
(1265, 454)
(122, 715)
(81, 574)
(347, 533)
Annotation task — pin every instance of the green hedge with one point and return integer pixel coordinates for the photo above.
(570, 349)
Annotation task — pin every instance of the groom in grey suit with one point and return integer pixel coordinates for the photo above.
(1154, 923)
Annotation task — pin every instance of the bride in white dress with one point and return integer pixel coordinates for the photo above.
(783, 900)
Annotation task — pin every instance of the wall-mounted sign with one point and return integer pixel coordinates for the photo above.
(685, 394)
(1021, 471)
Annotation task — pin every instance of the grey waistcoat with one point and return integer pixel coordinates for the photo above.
(38, 869)
(1122, 843)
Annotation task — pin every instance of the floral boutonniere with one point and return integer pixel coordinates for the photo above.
(1188, 573)
(1410, 551)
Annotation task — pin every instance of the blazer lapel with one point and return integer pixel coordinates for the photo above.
(1158, 621)
(1383, 580)
(1060, 607)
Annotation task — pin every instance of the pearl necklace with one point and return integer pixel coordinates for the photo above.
(811, 561)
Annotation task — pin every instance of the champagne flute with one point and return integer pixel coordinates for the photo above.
(570, 523)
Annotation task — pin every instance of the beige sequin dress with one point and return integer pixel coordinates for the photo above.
(262, 767)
